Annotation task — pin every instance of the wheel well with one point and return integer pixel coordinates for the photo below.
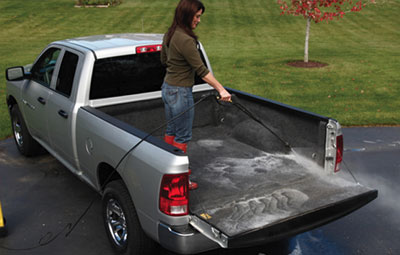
(11, 101)
(106, 174)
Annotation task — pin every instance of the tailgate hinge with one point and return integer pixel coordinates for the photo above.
(209, 231)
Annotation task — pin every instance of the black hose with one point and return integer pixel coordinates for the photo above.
(235, 102)
(49, 237)
(133, 148)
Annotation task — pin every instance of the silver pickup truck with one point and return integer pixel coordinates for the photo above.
(266, 171)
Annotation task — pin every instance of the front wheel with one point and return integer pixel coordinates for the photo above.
(121, 221)
(26, 145)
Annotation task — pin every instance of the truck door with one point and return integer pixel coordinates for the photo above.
(37, 91)
(61, 106)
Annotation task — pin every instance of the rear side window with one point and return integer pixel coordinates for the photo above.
(126, 75)
(66, 75)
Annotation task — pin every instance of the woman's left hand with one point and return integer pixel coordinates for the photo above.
(225, 96)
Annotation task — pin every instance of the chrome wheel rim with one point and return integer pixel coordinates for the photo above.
(18, 132)
(116, 222)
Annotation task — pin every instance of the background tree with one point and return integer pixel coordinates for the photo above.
(318, 10)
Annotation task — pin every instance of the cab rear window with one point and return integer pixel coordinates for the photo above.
(130, 74)
(127, 75)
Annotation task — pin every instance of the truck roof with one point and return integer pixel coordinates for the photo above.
(113, 44)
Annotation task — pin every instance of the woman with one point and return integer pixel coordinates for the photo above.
(180, 56)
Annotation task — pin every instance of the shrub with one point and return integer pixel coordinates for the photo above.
(98, 2)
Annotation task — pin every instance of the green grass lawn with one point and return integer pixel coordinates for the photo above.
(248, 44)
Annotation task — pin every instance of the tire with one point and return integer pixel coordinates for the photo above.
(26, 145)
(121, 221)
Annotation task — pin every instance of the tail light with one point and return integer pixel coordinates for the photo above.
(148, 48)
(174, 194)
(339, 152)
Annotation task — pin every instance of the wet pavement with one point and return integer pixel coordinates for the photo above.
(41, 198)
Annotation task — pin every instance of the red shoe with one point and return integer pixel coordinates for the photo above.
(193, 185)
(181, 146)
(169, 139)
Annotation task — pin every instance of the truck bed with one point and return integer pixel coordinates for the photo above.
(242, 188)
(248, 179)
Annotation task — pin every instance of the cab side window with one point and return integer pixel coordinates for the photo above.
(42, 71)
(66, 74)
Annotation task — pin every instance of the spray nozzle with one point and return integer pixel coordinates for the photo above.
(218, 97)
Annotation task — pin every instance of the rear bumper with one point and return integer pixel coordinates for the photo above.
(184, 239)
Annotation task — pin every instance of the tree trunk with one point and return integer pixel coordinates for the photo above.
(307, 37)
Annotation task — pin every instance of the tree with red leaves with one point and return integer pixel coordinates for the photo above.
(318, 10)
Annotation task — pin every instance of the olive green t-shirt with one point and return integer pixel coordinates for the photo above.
(182, 60)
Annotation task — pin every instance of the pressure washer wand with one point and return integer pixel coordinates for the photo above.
(251, 115)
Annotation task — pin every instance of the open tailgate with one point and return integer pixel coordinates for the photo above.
(248, 201)
(283, 228)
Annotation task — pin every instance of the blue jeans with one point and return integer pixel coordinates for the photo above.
(177, 100)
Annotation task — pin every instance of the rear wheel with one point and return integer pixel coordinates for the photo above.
(121, 221)
(26, 145)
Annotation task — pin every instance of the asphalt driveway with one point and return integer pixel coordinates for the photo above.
(41, 198)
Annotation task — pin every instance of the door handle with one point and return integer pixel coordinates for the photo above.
(41, 100)
(63, 114)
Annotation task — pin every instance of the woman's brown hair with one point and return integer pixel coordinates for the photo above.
(183, 18)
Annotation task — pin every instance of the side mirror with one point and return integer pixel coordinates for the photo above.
(16, 73)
